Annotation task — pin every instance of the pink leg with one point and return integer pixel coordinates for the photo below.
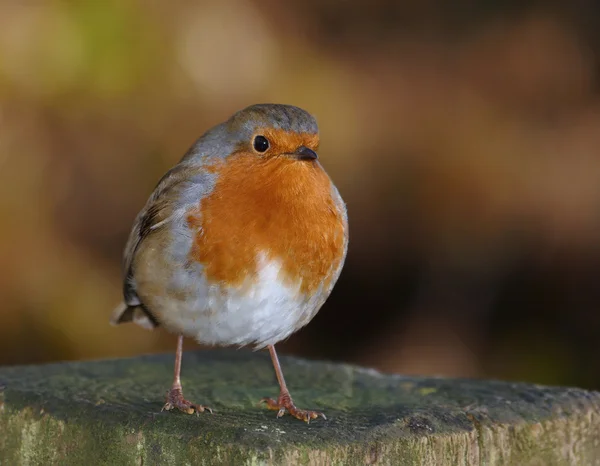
(284, 402)
(175, 397)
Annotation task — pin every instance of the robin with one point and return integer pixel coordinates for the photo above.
(240, 243)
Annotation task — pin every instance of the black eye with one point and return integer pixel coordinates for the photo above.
(261, 143)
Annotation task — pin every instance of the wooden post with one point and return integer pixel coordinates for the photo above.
(109, 412)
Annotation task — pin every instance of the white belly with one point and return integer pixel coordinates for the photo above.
(261, 312)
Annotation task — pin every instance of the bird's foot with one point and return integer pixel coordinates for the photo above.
(284, 403)
(175, 399)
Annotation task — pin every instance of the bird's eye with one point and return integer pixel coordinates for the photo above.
(261, 143)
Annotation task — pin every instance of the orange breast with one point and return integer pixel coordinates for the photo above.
(278, 207)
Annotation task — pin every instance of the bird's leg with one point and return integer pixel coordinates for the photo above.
(284, 402)
(175, 397)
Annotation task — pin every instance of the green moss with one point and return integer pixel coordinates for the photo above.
(108, 412)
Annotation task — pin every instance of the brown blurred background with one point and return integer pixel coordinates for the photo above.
(464, 137)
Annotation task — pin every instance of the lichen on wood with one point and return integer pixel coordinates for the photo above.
(109, 412)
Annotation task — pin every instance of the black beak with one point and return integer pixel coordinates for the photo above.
(304, 153)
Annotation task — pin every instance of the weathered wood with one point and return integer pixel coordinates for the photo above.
(108, 412)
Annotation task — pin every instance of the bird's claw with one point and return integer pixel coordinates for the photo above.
(175, 399)
(284, 403)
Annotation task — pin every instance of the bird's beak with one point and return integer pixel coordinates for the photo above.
(304, 153)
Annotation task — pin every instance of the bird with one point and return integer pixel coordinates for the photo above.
(239, 244)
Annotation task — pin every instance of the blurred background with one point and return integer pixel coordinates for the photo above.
(464, 137)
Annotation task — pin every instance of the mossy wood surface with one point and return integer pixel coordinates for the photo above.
(109, 412)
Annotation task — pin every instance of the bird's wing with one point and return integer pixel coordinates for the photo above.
(179, 189)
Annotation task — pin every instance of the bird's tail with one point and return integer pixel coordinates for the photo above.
(137, 314)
